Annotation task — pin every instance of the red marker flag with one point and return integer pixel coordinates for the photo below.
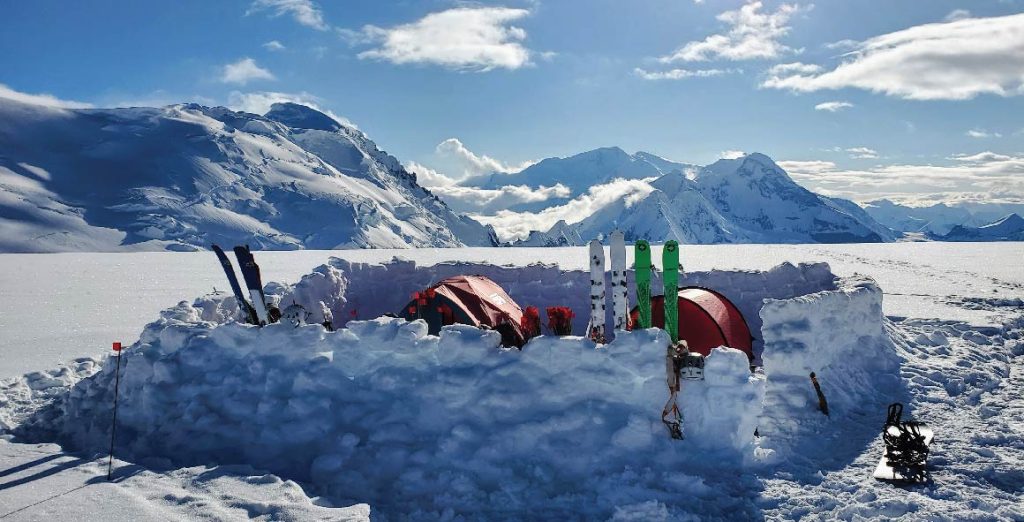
(117, 347)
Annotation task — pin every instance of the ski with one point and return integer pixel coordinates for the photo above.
(642, 265)
(248, 312)
(670, 276)
(596, 329)
(251, 274)
(620, 292)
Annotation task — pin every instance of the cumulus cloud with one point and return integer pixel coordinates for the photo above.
(260, 102)
(862, 153)
(833, 106)
(244, 71)
(752, 34)
(976, 176)
(47, 100)
(428, 177)
(462, 38)
(982, 133)
(680, 74)
(305, 12)
(487, 201)
(731, 154)
(469, 163)
(511, 225)
(955, 60)
(274, 45)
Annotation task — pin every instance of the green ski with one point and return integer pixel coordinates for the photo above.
(642, 265)
(670, 275)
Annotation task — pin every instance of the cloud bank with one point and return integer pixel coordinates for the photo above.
(956, 60)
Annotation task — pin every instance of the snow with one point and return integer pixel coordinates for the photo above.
(184, 176)
(425, 427)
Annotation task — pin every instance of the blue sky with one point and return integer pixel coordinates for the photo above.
(917, 110)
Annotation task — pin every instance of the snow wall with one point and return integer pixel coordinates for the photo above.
(423, 427)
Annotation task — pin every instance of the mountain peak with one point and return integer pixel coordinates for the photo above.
(301, 117)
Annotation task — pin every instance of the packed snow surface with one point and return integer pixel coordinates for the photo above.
(422, 427)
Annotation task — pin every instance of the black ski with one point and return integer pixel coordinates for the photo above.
(251, 274)
(248, 313)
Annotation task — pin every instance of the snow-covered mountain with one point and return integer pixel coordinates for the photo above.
(580, 172)
(1009, 228)
(939, 219)
(744, 200)
(184, 176)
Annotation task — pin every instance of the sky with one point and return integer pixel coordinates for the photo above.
(919, 101)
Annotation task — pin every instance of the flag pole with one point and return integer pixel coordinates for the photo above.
(113, 424)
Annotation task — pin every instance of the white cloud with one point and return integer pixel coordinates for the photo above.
(751, 35)
(47, 100)
(517, 225)
(462, 38)
(731, 154)
(486, 201)
(244, 71)
(833, 106)
(428, 177)
(274, 45)
(679, 74)
(471, 164)
(305, 12)
(957, 14)
(982, 133)
(842, 44)
(793, 68)
(862, 153)
(986, 175)
(260, 102)
(956, 60)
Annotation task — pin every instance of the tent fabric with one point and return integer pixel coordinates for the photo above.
(470, 299)
(707, 319)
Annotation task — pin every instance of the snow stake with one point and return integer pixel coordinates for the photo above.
(113, 423)
(822, 403)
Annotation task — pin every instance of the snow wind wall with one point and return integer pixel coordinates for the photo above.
(361, 290)
(838, 334)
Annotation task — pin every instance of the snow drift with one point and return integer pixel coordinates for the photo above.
(427, 426)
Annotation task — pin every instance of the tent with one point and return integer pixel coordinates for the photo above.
(707, 319)
(473, 300)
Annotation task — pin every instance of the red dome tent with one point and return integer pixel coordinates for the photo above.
(473, 300)
(706, 320)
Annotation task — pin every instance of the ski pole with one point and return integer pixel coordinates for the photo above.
(113, 424)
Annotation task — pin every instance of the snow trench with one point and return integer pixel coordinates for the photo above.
(422, 426)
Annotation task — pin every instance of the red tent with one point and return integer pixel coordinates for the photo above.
(473, 300)
(706, 320)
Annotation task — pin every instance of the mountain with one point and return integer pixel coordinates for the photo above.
(940, 219)
(184, 176)
(745, 200)
(580, 172)
(1009, 228)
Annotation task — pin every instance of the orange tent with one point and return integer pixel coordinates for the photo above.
(473, 300)
(706, 320)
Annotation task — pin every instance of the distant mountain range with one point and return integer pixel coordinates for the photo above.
(743, 200)
(1009, 228)
(184, 176)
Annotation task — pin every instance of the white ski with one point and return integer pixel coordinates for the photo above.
(596, 328)
(620, 293)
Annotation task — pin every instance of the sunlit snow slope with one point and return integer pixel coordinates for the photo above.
(184, 176)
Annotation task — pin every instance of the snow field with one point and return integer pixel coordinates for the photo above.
(425, 426)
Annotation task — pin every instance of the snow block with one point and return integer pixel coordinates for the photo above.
(838, 334)
(722, 411)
